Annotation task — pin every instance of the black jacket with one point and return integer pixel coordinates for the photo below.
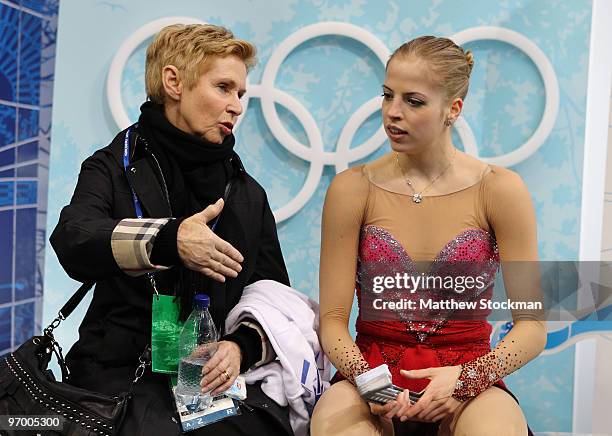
(117, 326)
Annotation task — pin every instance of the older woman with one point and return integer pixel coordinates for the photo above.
(142, 214)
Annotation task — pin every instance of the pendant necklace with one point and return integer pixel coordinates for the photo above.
(417, 197)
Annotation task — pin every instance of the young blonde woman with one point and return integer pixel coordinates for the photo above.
(425, 202)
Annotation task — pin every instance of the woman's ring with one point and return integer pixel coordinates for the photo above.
(226, 374)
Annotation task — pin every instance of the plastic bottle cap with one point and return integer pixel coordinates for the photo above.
(201, 301)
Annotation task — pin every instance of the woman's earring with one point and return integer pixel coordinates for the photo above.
(449, 122)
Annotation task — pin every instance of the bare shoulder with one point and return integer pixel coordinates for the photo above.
(501, 177)
(350, 181)
(503, 183)
(347, 194)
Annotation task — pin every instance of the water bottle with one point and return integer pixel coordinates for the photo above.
(197, 344)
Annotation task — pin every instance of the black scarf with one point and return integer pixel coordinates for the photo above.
(196, 172)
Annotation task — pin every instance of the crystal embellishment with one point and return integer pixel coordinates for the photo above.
(417, 198)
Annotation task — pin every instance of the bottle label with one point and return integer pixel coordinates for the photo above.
(165, 332)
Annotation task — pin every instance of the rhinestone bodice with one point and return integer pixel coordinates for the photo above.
(472, 253)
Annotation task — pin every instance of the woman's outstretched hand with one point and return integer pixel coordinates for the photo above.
(201, 250)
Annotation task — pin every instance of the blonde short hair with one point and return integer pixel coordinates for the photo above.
(448, 61)
(189, 47)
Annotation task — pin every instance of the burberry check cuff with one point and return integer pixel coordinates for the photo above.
(132, 241)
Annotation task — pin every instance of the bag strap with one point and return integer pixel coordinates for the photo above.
(64, 313)
(76, 298)
(67, 309)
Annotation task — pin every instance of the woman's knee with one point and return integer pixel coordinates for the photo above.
(492, 412)
(341, 411)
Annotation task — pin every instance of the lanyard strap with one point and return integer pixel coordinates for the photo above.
(126, 164)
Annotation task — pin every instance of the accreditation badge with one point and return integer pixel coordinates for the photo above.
(222, 407)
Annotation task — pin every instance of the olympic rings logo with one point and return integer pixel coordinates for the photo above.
(343, 155)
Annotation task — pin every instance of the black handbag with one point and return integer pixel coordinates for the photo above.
(28, 388)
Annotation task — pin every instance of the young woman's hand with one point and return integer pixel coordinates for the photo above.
(437, 401)
(385, 410)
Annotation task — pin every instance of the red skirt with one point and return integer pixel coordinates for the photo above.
(390, 342)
